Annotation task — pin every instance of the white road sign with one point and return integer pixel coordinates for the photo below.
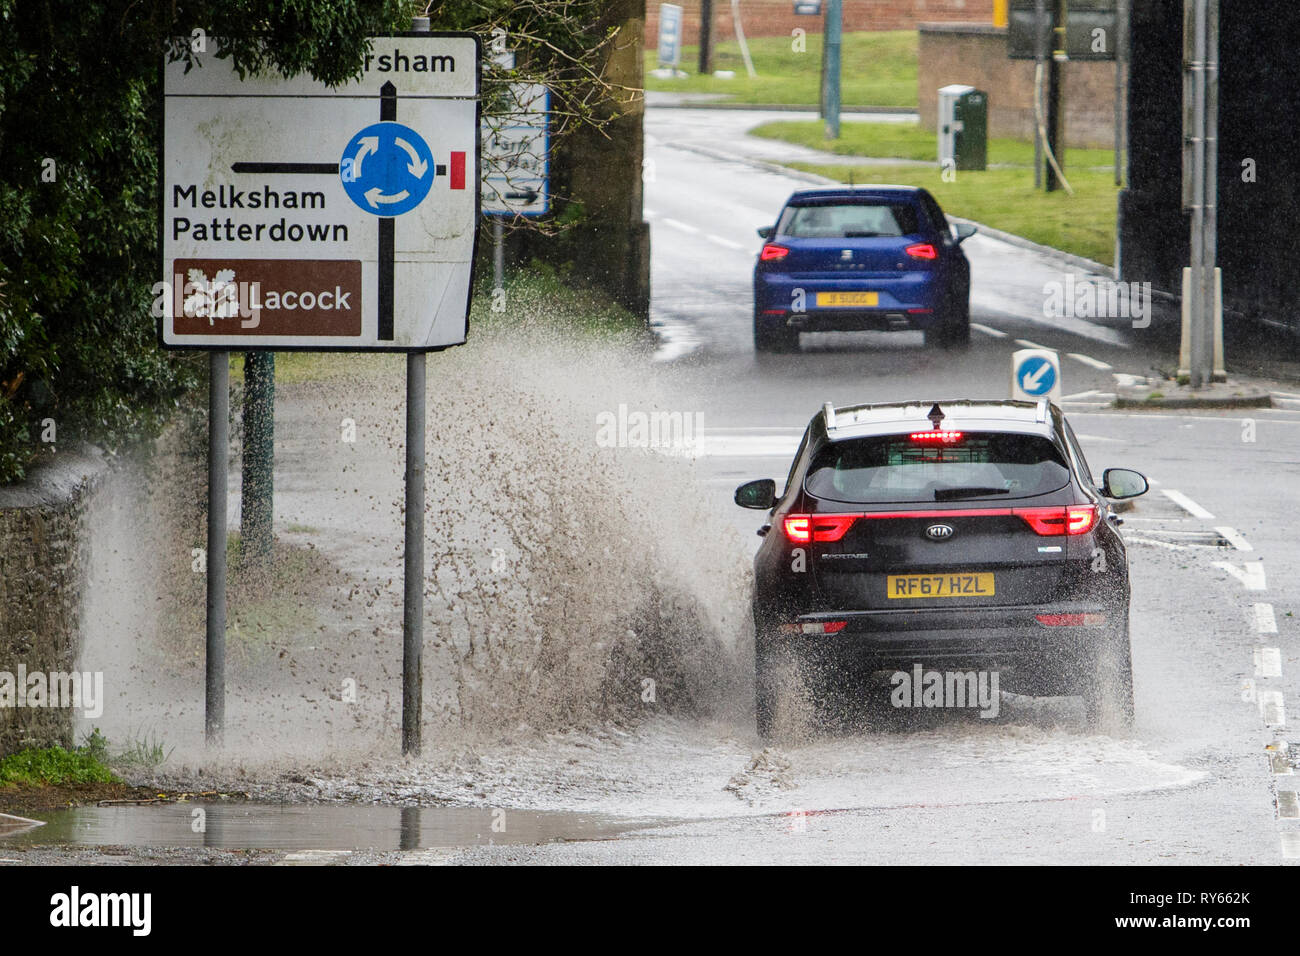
(299, 216)
(516, 154)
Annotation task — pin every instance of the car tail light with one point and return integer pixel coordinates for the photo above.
(801, 529)
(922, 250)
(814, 627)
(772, 251)
(936, 436)
(1075, 519)
(1072, 620)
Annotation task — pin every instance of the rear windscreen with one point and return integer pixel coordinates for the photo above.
(903, 468)
(858, 220)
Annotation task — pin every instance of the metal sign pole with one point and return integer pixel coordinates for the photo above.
(413, 567)
(218, 449)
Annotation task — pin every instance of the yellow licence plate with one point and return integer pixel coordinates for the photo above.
(842, 299)
(957, 584)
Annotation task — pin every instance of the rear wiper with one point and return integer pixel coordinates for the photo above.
(950, 494)
(861, 235)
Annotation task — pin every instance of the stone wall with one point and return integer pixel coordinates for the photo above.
(976, 55)
(44, 556)
(769, 18)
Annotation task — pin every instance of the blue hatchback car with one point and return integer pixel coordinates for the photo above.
(862, 257)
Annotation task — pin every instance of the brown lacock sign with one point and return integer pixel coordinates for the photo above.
(266, 297)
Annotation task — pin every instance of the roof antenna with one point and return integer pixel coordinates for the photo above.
(935, 415)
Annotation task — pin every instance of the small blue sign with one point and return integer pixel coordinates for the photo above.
(387, 169)
(670, 35)
(1036, 375)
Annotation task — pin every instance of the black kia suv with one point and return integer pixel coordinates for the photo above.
(964, 535)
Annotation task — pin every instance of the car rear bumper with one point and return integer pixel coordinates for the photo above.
(909, 297)
(990, 638)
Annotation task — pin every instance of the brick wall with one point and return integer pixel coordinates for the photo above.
(767, 18)
(977, 56)
(43, 560)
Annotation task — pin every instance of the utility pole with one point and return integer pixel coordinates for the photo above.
(1201, 28)
(706, 37)
(1056, 97)
(1040, 68)
(831, 66)
(1121, 86)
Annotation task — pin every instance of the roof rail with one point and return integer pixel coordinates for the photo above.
(828, 410)
(1042, 411)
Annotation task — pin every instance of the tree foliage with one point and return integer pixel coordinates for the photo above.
(80, 104)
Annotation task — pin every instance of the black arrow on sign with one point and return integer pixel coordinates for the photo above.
(529, 196)
(387, 112)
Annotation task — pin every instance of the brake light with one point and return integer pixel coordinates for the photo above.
(801, 529)
(772, 251)
(1072, 620)
(936, 436)
(1075, 519)
(922, 250)
(824, 627)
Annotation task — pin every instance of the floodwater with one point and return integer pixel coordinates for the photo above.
(306, 827)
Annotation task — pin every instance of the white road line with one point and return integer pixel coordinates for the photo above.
(1025, 343)
(1265, 622)
(1285, 394)
(1186, 503)
(678, 224)
(1288, 807)
(1090, 361)
(314, 857)
(1272, 708)
(996, 333)
(1235, 539)
(724, 242)
(1268, 662)
(1250, 574)
(1167, 545)
(1135, 520)
(1088, 394)
(1291, 845)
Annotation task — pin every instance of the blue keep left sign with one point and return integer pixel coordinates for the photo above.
(387, 169)
(1036, 375)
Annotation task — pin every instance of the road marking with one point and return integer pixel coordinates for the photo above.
(1090, 361)
(1186, 503)
(1025, 343)
(1250, 574)
(1271, 706)
(1288, 807)
(1268, 662)
(435, 857)
(1277, 755)
(1265, 622)
(1235, 539)
(678, 224)
(314, 857)
(724, 242)
(1167, 545)
(996, 333)
(1291, 845)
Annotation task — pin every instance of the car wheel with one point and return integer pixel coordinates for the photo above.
(1108, 685)
(771, 334)
(773, 666)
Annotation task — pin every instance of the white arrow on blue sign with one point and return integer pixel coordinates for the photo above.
(1035, 374)
(387, 169)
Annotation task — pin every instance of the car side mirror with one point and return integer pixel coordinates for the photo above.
(766, 232)
(965, 230)
(760, 494)
(1123, 483)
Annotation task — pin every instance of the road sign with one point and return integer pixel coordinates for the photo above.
(298, 216)
(516, 154)
(1035, 374)
(670, 35)
(811, 8)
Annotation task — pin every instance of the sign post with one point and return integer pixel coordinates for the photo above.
(297, 216)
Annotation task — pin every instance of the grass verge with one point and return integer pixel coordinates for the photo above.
(54, 767)
(1083, 224)
(911, 141)
(879, 70)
